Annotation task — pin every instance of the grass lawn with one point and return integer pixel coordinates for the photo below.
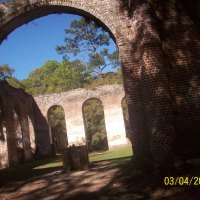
(40, 167)
(106, 155)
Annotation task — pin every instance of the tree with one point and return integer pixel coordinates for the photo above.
(6, 72)
(69, 75)
(14, 82)
(86, 38)
(56, 77)
(40, 80)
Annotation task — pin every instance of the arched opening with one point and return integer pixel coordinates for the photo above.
(95, 130)
(56, 118)
(33, 14)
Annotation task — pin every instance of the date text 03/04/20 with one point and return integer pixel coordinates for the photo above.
(180, 180)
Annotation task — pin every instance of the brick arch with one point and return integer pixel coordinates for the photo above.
(16, 13)
(54, 105)
(91, 98)
(104, 143)
(50, 130)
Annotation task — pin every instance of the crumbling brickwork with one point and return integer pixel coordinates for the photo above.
(159, 48)
(20, 131)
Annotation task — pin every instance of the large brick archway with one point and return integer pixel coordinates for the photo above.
(155, 51)
(16, 13)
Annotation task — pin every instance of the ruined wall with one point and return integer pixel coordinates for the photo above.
(20, 131)
(72, 102)
(24, 128)
(159, 49)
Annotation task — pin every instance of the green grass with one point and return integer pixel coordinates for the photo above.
(28, 170)
(40, 167)
(106, 155)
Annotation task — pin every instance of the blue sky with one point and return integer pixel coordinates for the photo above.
(31, 45)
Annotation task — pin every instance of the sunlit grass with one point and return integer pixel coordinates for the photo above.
(106, 155)
(44, 166)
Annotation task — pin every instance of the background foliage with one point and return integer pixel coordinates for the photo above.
(56, 119)
(96, 136)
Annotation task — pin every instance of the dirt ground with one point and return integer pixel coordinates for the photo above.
(103, 181)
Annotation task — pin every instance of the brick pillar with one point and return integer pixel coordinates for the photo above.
(114, 121)
(26, 138)
(10, 123)
(3, 139)
(18, 130)
(41, 128)
(157, 104)
(156, 94)
(32, 135)
(131, 70)
(74, 123)
(4, 162)
(147, 91)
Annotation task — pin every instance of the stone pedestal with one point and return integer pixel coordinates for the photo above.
(75, 158)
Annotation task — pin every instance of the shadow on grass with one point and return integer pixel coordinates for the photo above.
(29, 170)
(115, 179)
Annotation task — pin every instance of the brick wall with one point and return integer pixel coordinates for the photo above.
(179, 29)
(160, 62)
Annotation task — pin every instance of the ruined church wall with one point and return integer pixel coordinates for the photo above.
(20, 137)
(72, 102)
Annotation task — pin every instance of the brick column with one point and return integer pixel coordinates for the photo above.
(156, 94)
(10, 123)
(75, 123)
(131, 70)
(114, 121)
(32, 135)
(3, 139)
(41, 128)
(147, 90)
(26, 137)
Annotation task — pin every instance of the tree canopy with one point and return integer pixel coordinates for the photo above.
(55, 77)
(89, 41)
(6, 72)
